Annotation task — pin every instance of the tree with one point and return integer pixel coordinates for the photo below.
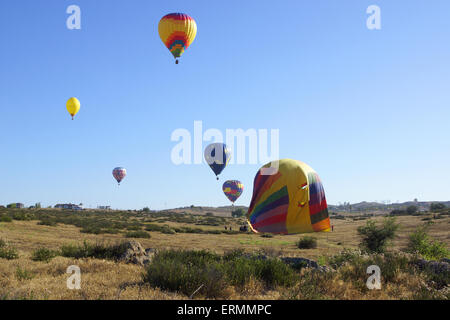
(146, 209)
(37, 205)
(238, 213)
(411, 209)
(375, 239)
(434, 207)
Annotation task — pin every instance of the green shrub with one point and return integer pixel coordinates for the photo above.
(92, 230)
(421, 243)
(23, 274)
(375, 239)
(134, 228)
(8, 252)
(22, 216)
(435, 207)
(238, 213)
(97, 250)
(5, 218)
(307, 242)
(137, 234)
(345, 256)
(186, 271)
(43, 254)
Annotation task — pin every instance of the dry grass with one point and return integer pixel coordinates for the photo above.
(103, 279)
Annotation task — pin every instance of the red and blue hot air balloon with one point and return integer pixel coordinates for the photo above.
(119, 173)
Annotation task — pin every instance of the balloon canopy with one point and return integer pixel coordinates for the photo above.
(217, 156)
(288, 199)
(73, 106)
(233, 189)
(119, 174)
(177, 31)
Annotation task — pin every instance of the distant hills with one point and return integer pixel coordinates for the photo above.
(376, 206)
(363, 206)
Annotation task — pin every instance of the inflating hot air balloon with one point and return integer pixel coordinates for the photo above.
(73, 106)
(288, 200)
(233, 189)
(119, 173)
(177, 31)
(217, 156)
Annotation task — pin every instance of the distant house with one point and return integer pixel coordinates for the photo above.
(104, 207)
(69, 206)
(16, 205)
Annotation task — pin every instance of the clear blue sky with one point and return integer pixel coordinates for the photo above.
(368, 110)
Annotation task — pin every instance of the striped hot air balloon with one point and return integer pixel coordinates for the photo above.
(119, 173)
(288, 200)
(177, 31)
(233, 189)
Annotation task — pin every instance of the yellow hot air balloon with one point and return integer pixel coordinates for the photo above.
(73, 106)
(177, 31)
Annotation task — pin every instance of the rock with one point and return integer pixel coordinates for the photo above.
(136, 254)
(434, 266)
(301, 261)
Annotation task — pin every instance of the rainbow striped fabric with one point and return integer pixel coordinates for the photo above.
(177, 31)
(291, 200)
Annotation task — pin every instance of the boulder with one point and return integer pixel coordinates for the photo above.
(434, 266)
(136, 254)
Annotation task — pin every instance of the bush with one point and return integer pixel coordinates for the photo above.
(420, 242)
(22, 216)
(97, 250)
(43, 254)
(435, 207)
(23, 274)
(7, 252)
(307, 243)
(186, 271)
(238, 213)
(375, 239)
(5, 218)
(137, 234)
(411, 209)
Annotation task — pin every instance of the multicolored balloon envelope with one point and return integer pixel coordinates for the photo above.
(288, 200)
(73, 106)
(177, 31)
(119, 173)
(233, 189)
(217, 156)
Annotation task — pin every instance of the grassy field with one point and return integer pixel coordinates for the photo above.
(29, 230)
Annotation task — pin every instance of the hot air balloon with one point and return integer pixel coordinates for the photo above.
(288, 200)
(217, 156)
(233, 189)
(177, 31)
(73, 106)
(119, 173)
